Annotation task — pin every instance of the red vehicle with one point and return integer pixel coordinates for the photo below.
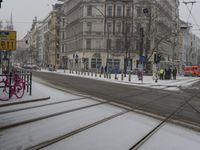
(192, 71)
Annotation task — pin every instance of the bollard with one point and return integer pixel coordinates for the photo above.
(88, 73)
(99, 75)
(122, 76)
(92, 73)
(84, 73)
(129, 76)
(109, 75)
(116, 76)
(95, 74)
(81, 72)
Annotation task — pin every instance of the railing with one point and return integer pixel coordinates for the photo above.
(23, 75)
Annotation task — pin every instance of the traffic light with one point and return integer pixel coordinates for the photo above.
(157, 58)
(1, 2)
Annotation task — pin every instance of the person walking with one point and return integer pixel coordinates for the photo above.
(170, 73)
(161, 73)
(174, 72)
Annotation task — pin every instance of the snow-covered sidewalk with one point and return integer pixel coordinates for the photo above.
(175, 85)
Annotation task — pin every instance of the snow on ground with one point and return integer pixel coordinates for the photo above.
(119, 133)
(172, 137)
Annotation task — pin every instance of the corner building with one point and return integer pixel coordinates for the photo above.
(118, 33)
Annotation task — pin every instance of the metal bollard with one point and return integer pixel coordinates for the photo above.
(95, 74)
(92, 73)
(109, 75)
(129, 77)
(122, 76)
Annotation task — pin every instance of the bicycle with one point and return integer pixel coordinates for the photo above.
(9, 89)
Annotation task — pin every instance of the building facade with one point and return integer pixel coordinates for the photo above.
(118, 34)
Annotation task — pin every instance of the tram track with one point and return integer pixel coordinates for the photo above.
(47, 116)
(43, 105)
(164, 121)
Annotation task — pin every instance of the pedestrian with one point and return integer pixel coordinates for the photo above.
(170, 73)
(101, 69)
(106, 69)
(166, 73)
(174, 72)
(161, 73)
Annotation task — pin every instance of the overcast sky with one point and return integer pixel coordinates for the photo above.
(23, 12)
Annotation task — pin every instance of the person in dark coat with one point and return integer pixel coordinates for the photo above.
(106, 69)
(170, 73)
(174, 72)
(101, 69)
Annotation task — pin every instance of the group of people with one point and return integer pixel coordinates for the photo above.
(167, 73)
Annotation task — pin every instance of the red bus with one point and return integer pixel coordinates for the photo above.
(191, 71)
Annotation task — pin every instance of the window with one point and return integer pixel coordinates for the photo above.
(109, 9)
(139, 11)
(118, 44)
(96, 63)
(63, 22)
(108, 43)
(128, 11)
(109, 27)
(88, 43)
(119, 11)
(63, 35)
(89, 11)
(63, 48)
(118, 28)
(89, 26)
(128, 27)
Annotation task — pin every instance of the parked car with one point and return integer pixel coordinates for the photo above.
(51, 68)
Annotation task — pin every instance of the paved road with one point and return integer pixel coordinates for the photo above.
(159, 102)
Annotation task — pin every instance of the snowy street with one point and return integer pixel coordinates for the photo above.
(74, 121)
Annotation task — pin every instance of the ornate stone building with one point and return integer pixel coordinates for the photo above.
(118, 33)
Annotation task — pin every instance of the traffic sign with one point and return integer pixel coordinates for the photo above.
(7, 40)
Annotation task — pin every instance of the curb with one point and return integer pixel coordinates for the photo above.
(25, 101)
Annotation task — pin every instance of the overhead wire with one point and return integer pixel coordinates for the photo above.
(190, 13)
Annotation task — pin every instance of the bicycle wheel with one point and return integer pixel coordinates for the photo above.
(4, 95)
(19, 89)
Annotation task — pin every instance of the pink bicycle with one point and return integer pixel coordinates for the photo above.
(9, 89)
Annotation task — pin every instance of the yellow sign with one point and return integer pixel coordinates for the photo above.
(7, 40)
